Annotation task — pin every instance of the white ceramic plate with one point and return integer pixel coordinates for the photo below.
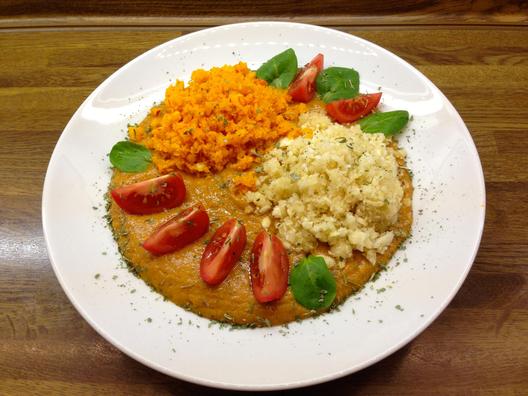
(449, 207)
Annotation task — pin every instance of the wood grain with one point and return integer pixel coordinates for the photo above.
(337, 13)
(263, 7)
(479, 345)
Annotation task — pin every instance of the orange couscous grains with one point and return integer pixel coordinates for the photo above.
(225, 116)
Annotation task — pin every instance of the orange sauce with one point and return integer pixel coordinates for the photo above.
(176, 275)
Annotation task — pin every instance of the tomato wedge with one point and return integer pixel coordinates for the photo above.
(269, 268)
(151, 196)
(302, 89)
(222, 252)
(181, 230)
(318, 61)
(345, 111)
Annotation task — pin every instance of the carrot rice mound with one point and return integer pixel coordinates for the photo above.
(225, 116)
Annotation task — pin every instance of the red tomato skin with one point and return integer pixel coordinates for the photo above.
(346, 111)
(318, 61)
(179, 231)
(303, 87)
(221, 253)
(270, 284)
(151, 196)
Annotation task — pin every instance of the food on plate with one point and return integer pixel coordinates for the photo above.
(130, 157)
(302, 89)
(151, 196)
(269, 268)
(222, 252)
(224, 116)
(349, 110)
(339, 187)
(280, 70)
(260, 198)
(313, 285)
(178, 232)
(336, 83)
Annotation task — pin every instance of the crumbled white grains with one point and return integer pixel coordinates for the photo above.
(339, 187)
(266, 222)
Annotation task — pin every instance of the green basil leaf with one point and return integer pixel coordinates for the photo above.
(389, 123)
(312, 284)
(337, 83)
(130, 157)
(280, 70)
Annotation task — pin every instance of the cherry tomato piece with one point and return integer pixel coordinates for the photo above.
(151, 196)
(269, 268)
(302, 89)
(345, 111)
(222, 252)
(318, 61)
(181, 230)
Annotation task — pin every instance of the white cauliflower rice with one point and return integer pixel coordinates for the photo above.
(340, 187)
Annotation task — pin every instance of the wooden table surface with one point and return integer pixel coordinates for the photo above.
(54, 55)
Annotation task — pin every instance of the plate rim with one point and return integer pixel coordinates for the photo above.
(275, 386)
